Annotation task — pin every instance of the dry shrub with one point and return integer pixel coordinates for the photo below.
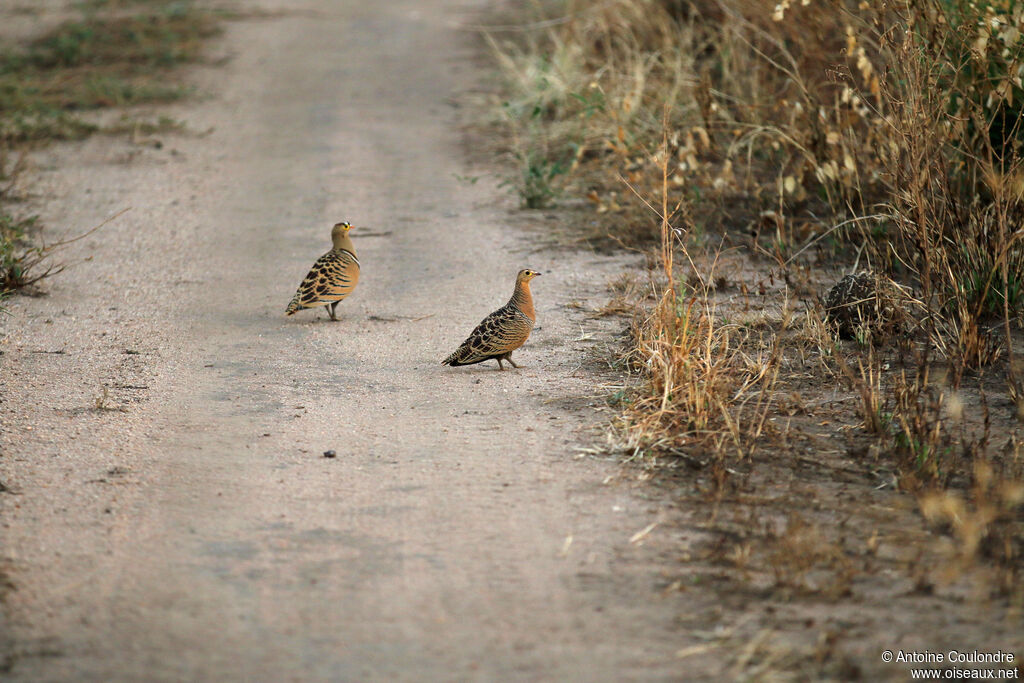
(589, 94)
(820, 133)
(889, 132)
(893, 127)
(706, 383)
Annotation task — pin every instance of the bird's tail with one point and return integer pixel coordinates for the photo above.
(294, 306)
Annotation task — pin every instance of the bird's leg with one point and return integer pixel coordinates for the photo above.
(500, 366)
(508, 357)
(330, 310)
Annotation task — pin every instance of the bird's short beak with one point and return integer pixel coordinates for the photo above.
(535, 273)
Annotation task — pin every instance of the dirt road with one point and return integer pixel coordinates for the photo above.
(171, 515)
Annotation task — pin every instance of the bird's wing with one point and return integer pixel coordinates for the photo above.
(332, 278)
(502, 331)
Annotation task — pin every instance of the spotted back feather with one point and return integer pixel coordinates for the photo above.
(500, 333)
(331, 279)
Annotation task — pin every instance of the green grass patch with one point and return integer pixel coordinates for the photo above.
(169, 35)
(94, 63)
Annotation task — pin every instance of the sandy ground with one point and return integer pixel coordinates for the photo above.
(170, 515)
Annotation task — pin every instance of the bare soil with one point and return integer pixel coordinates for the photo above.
(167, 510)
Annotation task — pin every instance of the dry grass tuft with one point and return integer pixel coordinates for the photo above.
(706, 383)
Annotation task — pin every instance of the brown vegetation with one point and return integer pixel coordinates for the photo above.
(758, 153)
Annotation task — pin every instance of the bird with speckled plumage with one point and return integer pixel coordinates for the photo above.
(332, 277)
(503, 331)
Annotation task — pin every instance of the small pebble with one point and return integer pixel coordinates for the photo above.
(329, 454)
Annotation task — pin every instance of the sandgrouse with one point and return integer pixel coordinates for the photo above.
(332, 277)
(503, 331)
